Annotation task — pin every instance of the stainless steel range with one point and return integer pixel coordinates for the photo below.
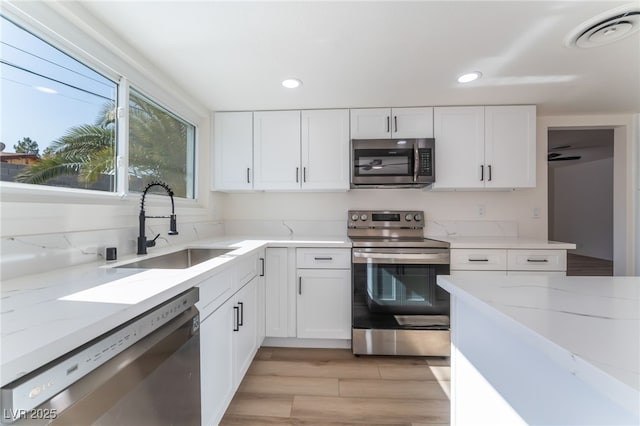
(398, 309)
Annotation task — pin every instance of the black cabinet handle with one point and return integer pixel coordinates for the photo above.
(241, 322)
(304, 174)
(481, 172)
(237, 319)
(262, 260)
(300, 285)
(537, 260)
(297, 174)
(395, 122)
(478, 260)
(388, 129)
(323, 258)
(248, 179)
(489, 173)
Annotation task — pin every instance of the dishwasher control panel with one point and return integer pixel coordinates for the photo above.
(19, 398)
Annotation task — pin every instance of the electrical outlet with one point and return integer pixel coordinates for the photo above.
(481, 210)
(535, 213)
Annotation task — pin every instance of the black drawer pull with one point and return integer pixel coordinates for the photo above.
(323, 258)
(537, 260)
(237, 321)
(478, 260)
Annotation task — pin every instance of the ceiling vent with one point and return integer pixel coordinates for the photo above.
(606, 28)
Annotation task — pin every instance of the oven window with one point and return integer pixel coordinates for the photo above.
(379, 162)
(402, 289)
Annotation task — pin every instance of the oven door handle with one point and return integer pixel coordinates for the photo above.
(400, 258)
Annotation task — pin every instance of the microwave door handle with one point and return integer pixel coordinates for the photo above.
(416, 161)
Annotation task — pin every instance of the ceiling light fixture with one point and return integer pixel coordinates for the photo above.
(291, 83)
(469, 77)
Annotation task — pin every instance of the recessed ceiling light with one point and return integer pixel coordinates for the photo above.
(291, 83)
(466, 78)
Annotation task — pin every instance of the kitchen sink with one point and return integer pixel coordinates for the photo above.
(181, 259)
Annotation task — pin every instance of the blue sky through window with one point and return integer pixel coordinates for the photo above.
(45, 92)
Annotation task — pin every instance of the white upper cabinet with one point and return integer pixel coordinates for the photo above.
(277, 150)
(459, 134)
(386, 123)
(325, 149)
(510, 146)
(485, 147)
(233, 152)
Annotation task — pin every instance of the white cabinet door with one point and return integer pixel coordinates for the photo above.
(246, 328)
(216, 363)
(277, 150)
(325, 149)
(459, 134)
(233, 151)
(412, 122)
(276, 293)
(371, 123)
(261, 298)
(386, 123)
(510, 146)
(324, 303)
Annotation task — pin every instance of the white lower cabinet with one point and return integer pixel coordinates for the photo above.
(276, 292)
(216, 363)
(508, 262)
(324, 303)
(229, 339)
(245, 328)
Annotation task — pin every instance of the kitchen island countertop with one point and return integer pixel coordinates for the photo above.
(588, 328)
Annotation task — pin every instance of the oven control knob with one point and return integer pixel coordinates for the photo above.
(408, 217)
(354, 217)
(363, 217)
(417, 217)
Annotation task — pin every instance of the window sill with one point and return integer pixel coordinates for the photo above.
(21, 193)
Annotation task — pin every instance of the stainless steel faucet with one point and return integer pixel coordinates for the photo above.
(142, 239)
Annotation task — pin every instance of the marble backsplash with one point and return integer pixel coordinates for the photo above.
(40, 253)
(33, 254)
(433, 228)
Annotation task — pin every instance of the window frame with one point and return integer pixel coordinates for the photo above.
(14, 191)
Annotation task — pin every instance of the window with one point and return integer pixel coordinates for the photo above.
(58, 120)
(59, 124)
(161, 147)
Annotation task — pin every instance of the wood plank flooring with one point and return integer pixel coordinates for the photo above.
(332, 387)
(578, 265)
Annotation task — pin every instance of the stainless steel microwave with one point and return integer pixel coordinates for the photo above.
(388, 163)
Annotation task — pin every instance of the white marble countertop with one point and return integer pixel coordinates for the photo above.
(503, 243)
(590, 325)
(44, 316)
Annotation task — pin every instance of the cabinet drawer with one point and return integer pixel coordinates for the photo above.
(318, 258)
(216, 288)
(478, 260)
(537, 260)
(246, 269)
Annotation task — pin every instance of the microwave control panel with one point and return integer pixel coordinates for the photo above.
(426, 162)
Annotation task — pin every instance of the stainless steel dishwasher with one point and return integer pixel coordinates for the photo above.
(145, 372)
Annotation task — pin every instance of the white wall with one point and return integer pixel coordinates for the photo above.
(581, 201)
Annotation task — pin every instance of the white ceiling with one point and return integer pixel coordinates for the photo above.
(233, 55)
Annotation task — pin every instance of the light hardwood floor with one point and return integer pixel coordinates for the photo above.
(292, 386)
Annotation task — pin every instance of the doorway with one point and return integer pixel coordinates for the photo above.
(580, 178)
